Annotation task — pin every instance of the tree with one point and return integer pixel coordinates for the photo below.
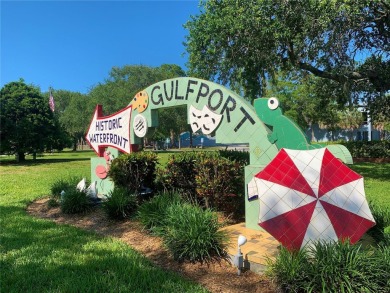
(172, 122)
(124, 82)
(76, 114)
(62, 100)
(380, 114)
(244, 43)
(350, 119)
(27, 124)
(296, 97)
(297, 94)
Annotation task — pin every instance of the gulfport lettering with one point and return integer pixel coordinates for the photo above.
(195, 91)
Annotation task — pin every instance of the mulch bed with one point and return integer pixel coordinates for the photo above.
(216, 277)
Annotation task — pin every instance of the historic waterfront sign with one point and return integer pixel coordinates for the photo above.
(110, 131)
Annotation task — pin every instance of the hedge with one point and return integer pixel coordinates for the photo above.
(368, 149)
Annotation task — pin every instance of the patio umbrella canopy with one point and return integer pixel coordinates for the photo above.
(309, 195)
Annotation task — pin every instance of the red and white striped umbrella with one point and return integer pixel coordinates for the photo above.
(309, 195)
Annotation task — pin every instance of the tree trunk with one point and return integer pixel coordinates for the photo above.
(312, 138)
(20, 157)
(173, 142)
(191, 139)
(206, 202)
(75, 141)
(34, 155)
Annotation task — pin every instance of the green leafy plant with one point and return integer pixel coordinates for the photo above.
(192, 234)
(234, 155)
(58, 186)
(382, 218)
(134, 171)
(120, 204)
(153, 213)
(369, 149)
(220, 182)
(179, 173)
(75, 201)
(208, 178)
(288, 270)
(336, 267)
(332, 267)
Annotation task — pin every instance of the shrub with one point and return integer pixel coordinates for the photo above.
(332, 267)
(193, 234)
(382, 219)
(336, 267)
(219, 182)
(179, 173)
(208, 178)
(369, 149)
(381, 264)
(153, 213)
(120, 204)
(233, 155)
(75, 201)
(289, 270)
(57, 187)
(134, 171)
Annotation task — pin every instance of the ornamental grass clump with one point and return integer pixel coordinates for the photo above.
(332, 267)
(338, 267)
(289, 270)
(193, 234)
(75, 201)
(120, 204)
(380, 232)
(59, 186)
(153, 213)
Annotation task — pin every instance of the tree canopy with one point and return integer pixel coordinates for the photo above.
(75, 112)
(245, 43)
(124, 82)
(380, 113)
(27, 124)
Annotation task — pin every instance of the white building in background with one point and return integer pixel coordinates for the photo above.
(366, 132)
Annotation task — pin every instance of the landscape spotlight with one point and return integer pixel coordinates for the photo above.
(238, 258)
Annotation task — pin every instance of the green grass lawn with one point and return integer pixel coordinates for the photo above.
(40, 256)
(376, 182)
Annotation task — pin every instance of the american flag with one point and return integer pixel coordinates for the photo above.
(51, 102)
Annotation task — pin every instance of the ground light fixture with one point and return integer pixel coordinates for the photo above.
(62, 195)
(238, 258)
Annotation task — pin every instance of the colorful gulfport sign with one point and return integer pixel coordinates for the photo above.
(211, 109)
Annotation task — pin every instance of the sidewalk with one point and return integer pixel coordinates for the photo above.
(259, 246)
